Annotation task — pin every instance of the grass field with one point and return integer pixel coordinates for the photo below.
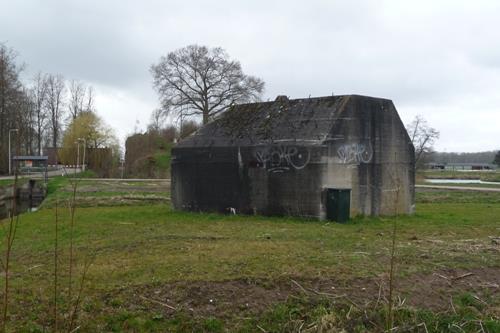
(156, 270)
(491, 176)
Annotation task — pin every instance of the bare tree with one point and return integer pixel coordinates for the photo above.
(11, 95)
(76, 97)
(24, 117)
(158, 118)
(38, 95)
(170, 133)
(89, 103)
(196, 80)
(54, 102)
(81, 99)
(423, 137)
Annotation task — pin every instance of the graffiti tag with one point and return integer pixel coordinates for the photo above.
(283, 158)
(355, 153)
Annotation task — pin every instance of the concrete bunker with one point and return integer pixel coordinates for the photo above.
(281, 157)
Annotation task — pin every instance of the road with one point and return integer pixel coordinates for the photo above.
(52, 173)
(460, 188)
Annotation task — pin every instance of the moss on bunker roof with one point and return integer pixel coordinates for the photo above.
(305, 119)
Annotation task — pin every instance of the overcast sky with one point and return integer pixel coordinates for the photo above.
(440, 59)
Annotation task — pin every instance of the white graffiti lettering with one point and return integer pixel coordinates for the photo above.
(283, 158)
(355, 153)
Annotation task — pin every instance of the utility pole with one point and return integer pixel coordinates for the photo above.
(84, 150)
(122, 160)
(10, 155)
(77, 154)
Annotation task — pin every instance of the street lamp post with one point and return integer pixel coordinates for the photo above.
(10, 155)
(84, 149)
(122, 161)
(77, 154)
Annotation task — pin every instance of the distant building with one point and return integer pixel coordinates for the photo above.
(285, 157)
(31, 164)
(461, 166)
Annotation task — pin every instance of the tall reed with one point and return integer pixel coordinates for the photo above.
(10, 236)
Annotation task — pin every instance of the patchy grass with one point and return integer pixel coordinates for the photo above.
(102, 192)
(157, 270)
(325, 315)
(56, 183)
(10, 182)
(214, 247)
(6, 182)
(83, 174)
(453, 196)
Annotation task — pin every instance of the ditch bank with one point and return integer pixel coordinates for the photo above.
(27, 197)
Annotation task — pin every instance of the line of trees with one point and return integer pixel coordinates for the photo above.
(475, 157)
(40, 110)
(423, 137)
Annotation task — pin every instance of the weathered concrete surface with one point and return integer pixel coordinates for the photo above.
(277, 158)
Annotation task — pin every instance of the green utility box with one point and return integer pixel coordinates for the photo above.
(338, 204)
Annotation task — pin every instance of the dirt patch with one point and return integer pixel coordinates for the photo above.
(434, 290)
(204, 298)
(224, 299)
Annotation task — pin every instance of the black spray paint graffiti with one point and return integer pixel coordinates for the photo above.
(283, 158)
(355, 153)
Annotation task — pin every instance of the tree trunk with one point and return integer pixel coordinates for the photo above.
(205, 111)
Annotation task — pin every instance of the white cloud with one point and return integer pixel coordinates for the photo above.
(125, 111)
(435, 58)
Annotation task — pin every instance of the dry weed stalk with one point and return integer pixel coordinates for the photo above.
(74, 312)
(390, 314)
(74, 185)
(56, 259)
(10, 236)
(73, 304)
(392, 268)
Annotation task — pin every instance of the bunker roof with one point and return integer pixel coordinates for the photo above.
(306, 120)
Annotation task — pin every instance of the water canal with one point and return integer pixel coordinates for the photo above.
(26, 199)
